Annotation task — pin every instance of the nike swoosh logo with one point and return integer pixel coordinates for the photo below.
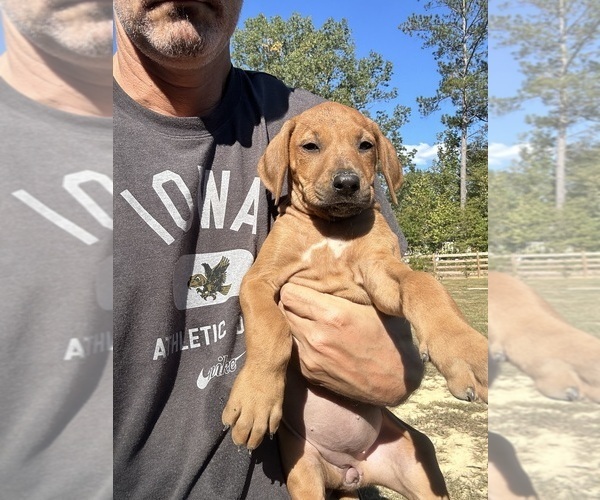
(202, 381)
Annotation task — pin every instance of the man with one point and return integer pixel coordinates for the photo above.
(189, 131)
(55, 255)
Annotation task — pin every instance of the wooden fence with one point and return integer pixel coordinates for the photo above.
(550, 265)
(474, 265)
(454, 265)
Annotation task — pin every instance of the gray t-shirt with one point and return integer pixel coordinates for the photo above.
(55, 302)
(188, 202)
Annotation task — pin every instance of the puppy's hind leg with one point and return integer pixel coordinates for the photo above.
(404, 461)
(305, 478)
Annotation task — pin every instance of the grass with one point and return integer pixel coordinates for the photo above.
(576, 300)
(471, 295)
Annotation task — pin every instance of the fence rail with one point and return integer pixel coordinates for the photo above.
(454, 265)
(550, 265)
(474, 265)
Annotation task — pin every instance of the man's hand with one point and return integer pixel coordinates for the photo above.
(346, 347)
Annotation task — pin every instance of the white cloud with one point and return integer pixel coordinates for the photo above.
(425, 153)
(500, 155)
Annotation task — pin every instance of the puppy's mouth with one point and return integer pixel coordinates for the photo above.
(344, 195)
(340, 207)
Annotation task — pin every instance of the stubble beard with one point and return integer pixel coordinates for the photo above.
(182, 38)
(90, 36)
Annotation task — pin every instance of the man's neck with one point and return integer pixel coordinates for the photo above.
(78, 88)
(171, 91)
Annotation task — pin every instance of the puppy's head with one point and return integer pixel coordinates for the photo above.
(331, 154)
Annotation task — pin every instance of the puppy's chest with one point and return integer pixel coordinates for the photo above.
(330, 266)
(332, 250)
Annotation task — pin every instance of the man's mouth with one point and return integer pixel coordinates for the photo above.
(152, 4)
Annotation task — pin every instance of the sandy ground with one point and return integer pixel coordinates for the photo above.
(557, 443)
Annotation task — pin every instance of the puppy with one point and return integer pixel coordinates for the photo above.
(331, 236)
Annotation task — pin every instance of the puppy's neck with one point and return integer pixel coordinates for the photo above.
(343, 228)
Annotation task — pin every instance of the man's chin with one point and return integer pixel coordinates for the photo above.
(95, 48)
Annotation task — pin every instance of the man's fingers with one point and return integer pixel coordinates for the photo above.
(303, 302)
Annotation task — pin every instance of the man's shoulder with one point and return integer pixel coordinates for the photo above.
(277, 100)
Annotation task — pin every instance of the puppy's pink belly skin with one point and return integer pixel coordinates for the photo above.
(341, 430)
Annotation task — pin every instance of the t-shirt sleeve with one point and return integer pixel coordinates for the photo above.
(388, 214)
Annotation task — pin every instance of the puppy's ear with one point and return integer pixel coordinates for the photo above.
(388, 163)
(275, 161)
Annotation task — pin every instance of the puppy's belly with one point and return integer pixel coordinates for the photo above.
(343, 431)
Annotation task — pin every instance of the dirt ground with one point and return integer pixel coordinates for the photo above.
(457, 429)
(557, 443)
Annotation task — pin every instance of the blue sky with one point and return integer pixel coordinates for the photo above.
(375, 27)
(415, 70)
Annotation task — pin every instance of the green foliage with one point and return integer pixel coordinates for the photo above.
(320, 60)
(323, 61)
(522, 209)
(557, 44)
(457, 32)
(429, 210)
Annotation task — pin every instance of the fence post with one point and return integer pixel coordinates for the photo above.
(584, 264)
(434, 266)
(478, 265)
(514, 263)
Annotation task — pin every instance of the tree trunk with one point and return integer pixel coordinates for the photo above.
(464, 111)
(561, 136)
(463, 168)
(560, 174)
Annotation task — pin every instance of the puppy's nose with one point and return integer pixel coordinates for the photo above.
(346, 183)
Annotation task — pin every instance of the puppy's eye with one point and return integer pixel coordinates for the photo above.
(365, 146)
(310, 146)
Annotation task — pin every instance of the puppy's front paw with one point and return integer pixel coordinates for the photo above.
(254, 407)
(463, 361)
